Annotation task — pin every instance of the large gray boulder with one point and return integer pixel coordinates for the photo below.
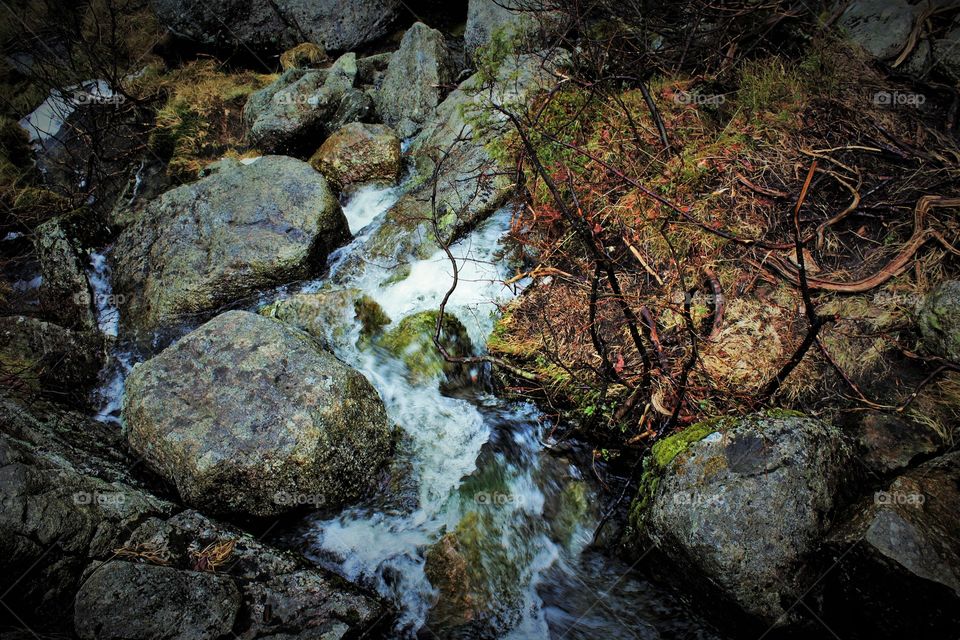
(248, 415)
(275, 25)
(65, 294)
(897, 559)
(416, 80)
(303, 106)
(744, 503)
(207, 244)
(939, 320)
(73, 518)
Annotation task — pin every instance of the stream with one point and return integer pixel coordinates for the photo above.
(472, 470)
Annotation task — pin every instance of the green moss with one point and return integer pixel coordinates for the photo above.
(411, 340)
(661, 455)
(371, 316)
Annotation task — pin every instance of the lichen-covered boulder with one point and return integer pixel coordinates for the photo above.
(359, 153)
(900, 546)
(65, 294)
(939, 320)
(278, 24)
(249, 415)
(411, 340)
(207, 244)
(416, 80)
(129, 600)
(744, 503)
(304, 105)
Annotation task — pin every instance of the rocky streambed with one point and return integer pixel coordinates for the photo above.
(271, 443)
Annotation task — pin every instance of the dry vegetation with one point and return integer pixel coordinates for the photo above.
(700, 231)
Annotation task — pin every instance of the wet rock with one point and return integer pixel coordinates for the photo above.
(248, 415)
(282, 595)
(359, 153)
(303, 56)
(525, 30)
(126, 600)
(897, 559)
(411, 340)
(744, 503)
(882, 27)
(330, 314)
(204, 245)
(475, 578)
(416, 80)
(67, 498)
(474, 180)
(44, 357)
(65, 294)
(304, 105)
(70, 502)
(279, 24)
(939, 320)
(890, 443)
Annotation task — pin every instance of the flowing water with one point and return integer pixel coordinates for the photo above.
(472, 470)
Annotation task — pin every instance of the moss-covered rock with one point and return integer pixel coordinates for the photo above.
(411, 340)
(939, 320)
(248, 415)
(715, 495)
(475, 578)
(359, 153)
(328, 314)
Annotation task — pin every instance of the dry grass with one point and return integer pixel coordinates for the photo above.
(213, 556)
(736, 165)
(201, 119)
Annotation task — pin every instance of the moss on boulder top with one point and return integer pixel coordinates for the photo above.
(411, 340)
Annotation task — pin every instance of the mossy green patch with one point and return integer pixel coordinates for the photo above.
(411, 340)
